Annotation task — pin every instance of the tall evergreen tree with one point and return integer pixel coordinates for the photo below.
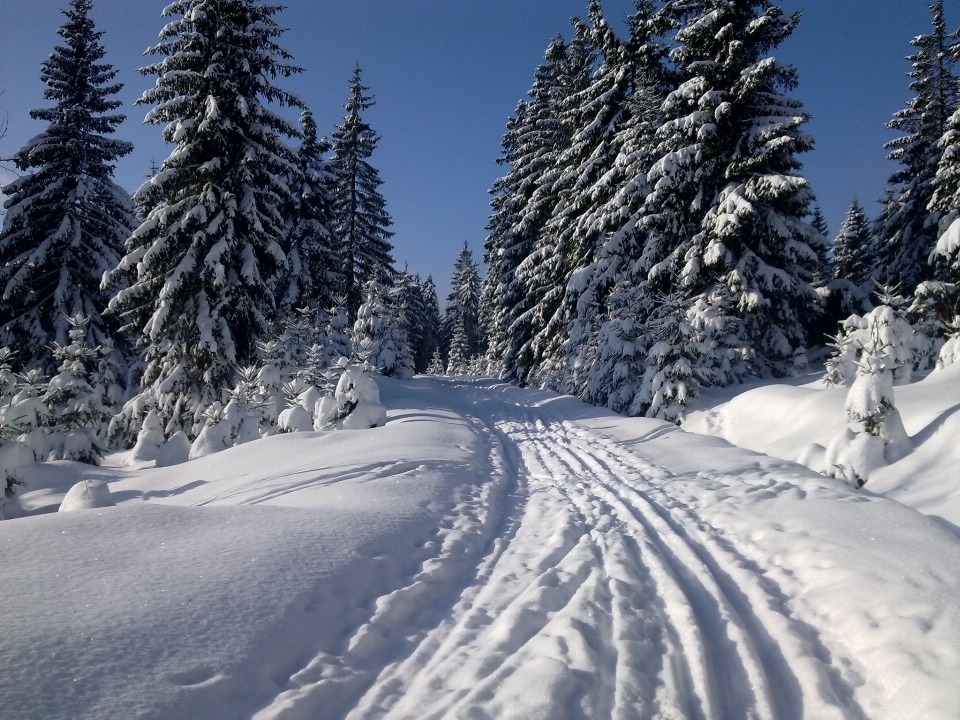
(203, 267)
(594, 351)
(725, 241)
(430, 342)
(908, 226)
(362, 221)
(852, 256)
(313, 274)
(522, 204)
(824, 272)
(66, 219)
(463, 305)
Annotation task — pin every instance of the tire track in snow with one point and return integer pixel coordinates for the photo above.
(328, 686)
(599, 593)
(686, 628)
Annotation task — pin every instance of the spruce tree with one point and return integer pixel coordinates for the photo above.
(594, 353)
(379, 336)
(726, 214)
(825, 271)
(430, 342)
(203, 268)
(66, 219)
(463, 306)
(946, 202)
(522, 204)
(908, 225)
(852, 258)
(313, 273)
(360, 212)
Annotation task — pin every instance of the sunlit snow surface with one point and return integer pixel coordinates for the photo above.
(490, 553)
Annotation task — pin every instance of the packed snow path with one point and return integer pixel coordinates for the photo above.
(527, 556)
(616, 587)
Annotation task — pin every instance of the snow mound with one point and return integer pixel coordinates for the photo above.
(87, 495)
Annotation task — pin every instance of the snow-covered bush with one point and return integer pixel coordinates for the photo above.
(884, 331)
(355, 404)
(950, 352)
(87, 495)
(295, 417)
(75, 421)
(149, 440)
(270, 382)
(874, 435)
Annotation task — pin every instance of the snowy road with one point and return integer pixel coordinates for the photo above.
(609, 592)
(545, 559)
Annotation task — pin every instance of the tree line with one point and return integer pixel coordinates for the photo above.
(654, 233)
(257, 252)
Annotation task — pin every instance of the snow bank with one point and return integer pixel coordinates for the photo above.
(798, 423)
(215, 582)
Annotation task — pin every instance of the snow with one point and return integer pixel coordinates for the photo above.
(796, 423)
(490, 552)
(87, 495)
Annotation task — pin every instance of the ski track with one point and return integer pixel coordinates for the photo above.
(592, 570)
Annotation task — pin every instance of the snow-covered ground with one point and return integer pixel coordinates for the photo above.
(490, 553)
(795, 422)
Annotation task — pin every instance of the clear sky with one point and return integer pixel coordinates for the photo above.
(448, 73)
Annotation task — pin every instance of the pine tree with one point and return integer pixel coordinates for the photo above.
(430, 343)
(463, 305)
(460, 354)
(337, 332)
(359, 208)
(617, 221)
(945, 201)
(379, 338)
(825, 270)
(852, 258)
(66, 219)
(521, 206)
(544, 273)
(908, 227)
(203, 267)
(313, 275)
(739, 134)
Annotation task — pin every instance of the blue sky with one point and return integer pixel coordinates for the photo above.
(448, 73)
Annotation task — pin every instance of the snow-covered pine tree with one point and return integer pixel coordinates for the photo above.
(431, 322)
(463, 304)
(875, 434)
(76, 422)
(379, 337)
(595, 189)
(544, 273)
(593, 348)
(724, 223)
(908, 226)
(521, 206)
(409, 293)
(824, 272)
(459, 355)
(313, 275)
(337, 343)
(852, 248)
(360, 213)
(203, 267)
(66, 219)
(945, 201)
(739, 133)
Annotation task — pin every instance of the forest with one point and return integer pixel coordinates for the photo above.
(652, 234)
